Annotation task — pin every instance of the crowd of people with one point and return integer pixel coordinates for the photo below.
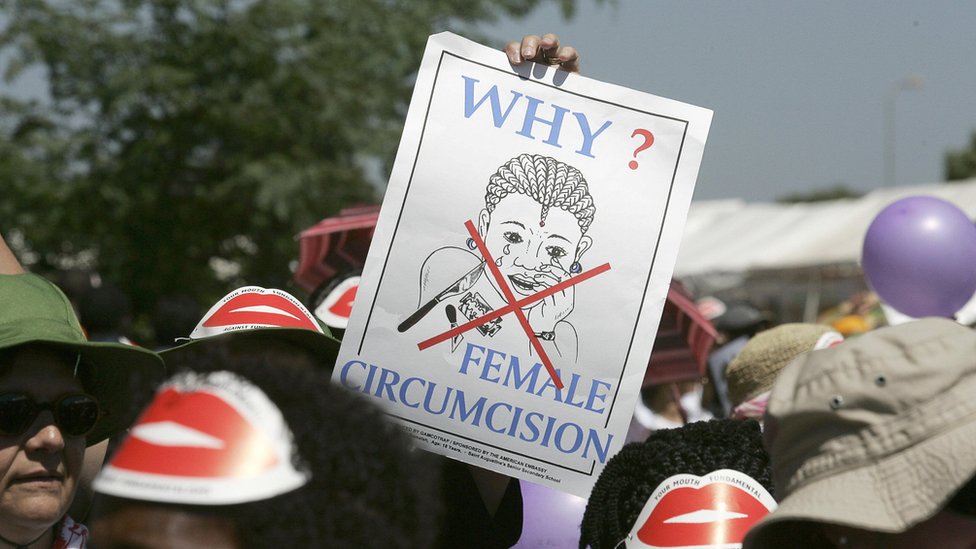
(815, 441)
(300, 462)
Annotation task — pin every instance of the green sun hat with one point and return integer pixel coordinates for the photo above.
(35, 311)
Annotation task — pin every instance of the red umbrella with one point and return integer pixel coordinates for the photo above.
(684, 341)
(335, 245)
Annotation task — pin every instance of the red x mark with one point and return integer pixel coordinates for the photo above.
(514, 306)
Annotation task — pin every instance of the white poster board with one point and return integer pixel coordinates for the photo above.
(576, 192)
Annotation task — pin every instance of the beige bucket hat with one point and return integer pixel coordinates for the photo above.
(876, 433)
(753, 371)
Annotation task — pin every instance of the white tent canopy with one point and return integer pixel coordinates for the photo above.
(732, 236)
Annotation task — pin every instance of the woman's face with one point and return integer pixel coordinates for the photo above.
(40, 467)
(531, 256)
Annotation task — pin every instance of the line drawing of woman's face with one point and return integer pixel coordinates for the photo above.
(532, 254)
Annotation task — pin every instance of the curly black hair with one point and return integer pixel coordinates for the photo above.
(368, 487)
(632, 475)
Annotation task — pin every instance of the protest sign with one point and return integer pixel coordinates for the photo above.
(520, 262)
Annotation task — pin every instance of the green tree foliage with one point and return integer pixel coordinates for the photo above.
(181, 133)
(961, 164)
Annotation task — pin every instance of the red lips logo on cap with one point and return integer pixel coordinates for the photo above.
(195, 434)
(206, 439)
(343, 305)
(263, 309)
(335, 309)
(711, 511)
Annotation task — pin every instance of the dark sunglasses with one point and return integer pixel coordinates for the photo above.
(75, 415)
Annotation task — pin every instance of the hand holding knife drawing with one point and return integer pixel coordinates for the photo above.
(461, 285)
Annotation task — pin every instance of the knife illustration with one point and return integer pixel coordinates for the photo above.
(461, 285)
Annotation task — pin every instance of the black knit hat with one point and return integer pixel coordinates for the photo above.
(696, 449)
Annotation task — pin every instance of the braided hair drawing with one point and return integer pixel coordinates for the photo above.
(551, 183)
(633, 474)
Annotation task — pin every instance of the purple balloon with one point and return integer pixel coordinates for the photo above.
(550, 518)
(919, 256)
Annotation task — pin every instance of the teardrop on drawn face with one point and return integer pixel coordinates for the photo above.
(507, 249)
(498, 262)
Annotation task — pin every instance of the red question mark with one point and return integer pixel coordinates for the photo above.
(648, 141)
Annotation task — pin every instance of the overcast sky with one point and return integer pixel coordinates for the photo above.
(799, 88)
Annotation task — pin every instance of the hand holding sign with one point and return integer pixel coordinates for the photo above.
(545, 50)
